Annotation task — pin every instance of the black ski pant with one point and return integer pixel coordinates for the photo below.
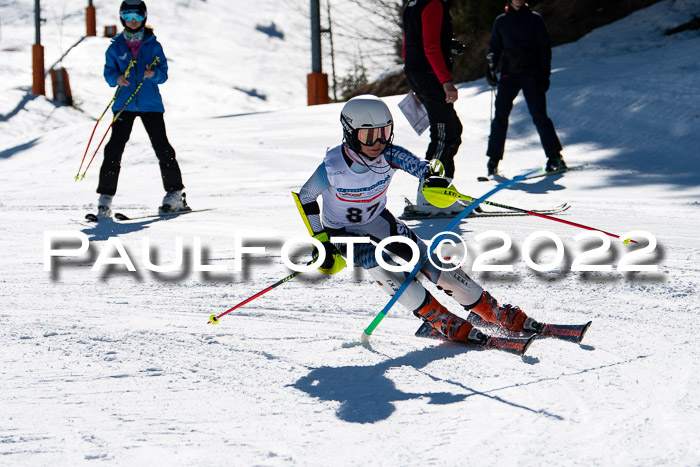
(121, 131)
(508, 88)
(445, 127)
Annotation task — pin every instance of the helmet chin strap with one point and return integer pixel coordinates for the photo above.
(365, 160)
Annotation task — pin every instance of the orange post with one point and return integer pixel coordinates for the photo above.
(61, 86)
(90, 21)
(38, 70)
(110, 30)
(317, 88)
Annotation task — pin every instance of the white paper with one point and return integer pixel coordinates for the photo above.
(415, 113)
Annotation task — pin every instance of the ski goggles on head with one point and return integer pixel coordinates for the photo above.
(369, 136)
(132, 15)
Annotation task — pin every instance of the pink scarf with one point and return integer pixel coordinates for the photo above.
(133, 41)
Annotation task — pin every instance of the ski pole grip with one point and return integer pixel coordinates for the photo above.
(154, 63)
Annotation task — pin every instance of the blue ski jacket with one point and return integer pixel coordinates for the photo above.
(118, 57)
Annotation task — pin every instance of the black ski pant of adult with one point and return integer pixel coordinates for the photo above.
(445, 127)
(508, 88)
(121, 131)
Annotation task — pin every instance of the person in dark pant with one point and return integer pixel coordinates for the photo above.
(121, 130)
(520, 43)
(428, 48)
(135, 62)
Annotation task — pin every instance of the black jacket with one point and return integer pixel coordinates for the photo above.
(520, 41)
(415, 58)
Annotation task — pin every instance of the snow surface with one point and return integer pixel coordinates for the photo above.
(121, 366)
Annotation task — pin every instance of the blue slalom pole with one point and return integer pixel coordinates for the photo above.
(465, 212)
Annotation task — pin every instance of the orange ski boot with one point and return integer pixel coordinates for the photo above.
(448, 324)
(508, 316)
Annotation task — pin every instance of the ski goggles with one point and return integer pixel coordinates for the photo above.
(369, 136)
(132, 15)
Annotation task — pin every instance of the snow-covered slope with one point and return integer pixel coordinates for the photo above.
(121, 366)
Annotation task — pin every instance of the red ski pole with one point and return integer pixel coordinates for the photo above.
(441, 195)
(126, 74)
(156, 60)
(214, 319)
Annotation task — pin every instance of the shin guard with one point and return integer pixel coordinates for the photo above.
(390, 282)
(459, 286)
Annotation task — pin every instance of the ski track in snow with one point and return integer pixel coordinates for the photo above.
(121, 367)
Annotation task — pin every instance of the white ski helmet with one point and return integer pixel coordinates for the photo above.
(366, 112)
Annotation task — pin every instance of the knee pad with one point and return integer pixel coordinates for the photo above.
(459, 286)
(411, 298)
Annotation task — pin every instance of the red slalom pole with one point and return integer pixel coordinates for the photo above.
(544, 216)
(451, 193)
(214, 319)
(574, 224)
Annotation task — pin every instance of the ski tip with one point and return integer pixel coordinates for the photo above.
(528, 343)
(584, 330)
(482, 179)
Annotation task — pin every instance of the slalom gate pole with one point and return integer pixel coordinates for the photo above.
(214, 319)
(452, 192)
(155, 60)
(126, 74)
(465, 212)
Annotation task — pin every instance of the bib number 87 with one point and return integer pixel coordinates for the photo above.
(355, 214)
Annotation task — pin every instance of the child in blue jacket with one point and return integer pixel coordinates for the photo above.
(135, 62)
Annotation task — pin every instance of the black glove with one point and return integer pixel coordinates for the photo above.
(436, 182)
(543, 81)
(491, 76)
(457, 47)
(434, 175)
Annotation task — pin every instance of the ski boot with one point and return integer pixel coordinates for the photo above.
(507, 316)
(555, 163)
(492, 167)
(104, 207)
(174, 202)
(448, 324)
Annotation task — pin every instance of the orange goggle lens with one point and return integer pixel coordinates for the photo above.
(369, 136)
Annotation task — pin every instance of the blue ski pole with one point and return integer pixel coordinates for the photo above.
(465, 212)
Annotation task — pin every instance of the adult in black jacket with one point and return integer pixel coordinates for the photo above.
(520, 43)
(427, 51)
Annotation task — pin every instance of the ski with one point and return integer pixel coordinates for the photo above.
(514, 345)
(411, 214)
(566, 332)
(499, 213)
(90, 217)
(500, 177)
(123, 217)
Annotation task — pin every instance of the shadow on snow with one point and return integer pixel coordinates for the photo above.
(366, 395)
